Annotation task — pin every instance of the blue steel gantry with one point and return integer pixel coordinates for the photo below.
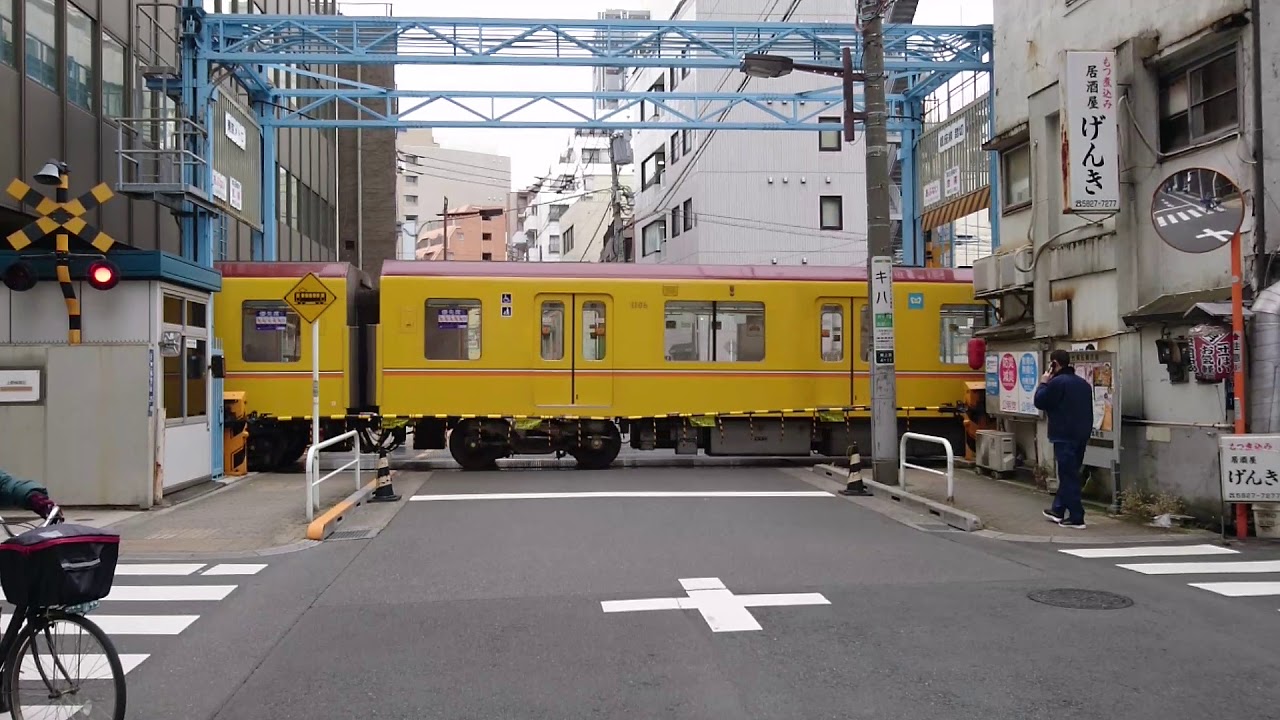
(254, 48)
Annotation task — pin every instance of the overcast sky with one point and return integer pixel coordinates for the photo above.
(532, 151)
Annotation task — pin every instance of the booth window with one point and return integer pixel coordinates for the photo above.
(270, 332)
(453, 330)
(186, 374)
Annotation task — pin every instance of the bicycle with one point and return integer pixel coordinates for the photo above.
(53, 577)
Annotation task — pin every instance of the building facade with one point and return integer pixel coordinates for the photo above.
(476, 232)
(582, 169)
(748, 197)
(1183, 78)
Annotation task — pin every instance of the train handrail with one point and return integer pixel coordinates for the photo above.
(950, 473)
(313, 467)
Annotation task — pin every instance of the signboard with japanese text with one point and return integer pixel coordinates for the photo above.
(1099, 370)
(451, 318)
(271, 320)
(932, 193)
(1249, 468)
(951, 135)
(951, 164)
(237, 161)
(1017, 374)
(1091, 146)
(1213, 353)
(882, 309)
(951, 181)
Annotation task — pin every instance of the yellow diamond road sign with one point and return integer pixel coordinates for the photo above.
(310, 298)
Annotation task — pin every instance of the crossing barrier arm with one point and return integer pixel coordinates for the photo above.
(313, 468)
(950, 473)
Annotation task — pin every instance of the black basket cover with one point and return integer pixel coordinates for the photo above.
(63, 564)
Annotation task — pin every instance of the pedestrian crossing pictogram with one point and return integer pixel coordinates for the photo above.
(136, 613)
(1206, 561)
(55, 216)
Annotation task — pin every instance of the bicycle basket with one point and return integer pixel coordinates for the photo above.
(58, 565)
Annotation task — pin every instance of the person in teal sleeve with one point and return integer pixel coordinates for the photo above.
(24, 494)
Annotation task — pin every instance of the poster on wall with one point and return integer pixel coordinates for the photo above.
(1098, 369)
(1017, 374)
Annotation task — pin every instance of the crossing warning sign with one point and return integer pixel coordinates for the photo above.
(310, 298)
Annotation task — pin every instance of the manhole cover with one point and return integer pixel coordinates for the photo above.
(353, 534)
(1081, 599)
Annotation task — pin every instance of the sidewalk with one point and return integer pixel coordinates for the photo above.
(1012, 511)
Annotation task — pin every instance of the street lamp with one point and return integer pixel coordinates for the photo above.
(767, 66)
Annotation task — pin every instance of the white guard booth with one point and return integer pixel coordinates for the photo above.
(132, 412)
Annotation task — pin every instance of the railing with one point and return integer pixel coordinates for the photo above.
(950, 473)
(313, 468)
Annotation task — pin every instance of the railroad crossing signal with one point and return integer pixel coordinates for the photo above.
(310, 298)
(55, 216)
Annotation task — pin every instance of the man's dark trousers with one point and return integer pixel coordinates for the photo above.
(1070, 458)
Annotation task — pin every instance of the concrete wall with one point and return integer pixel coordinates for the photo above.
(431, 173)
(589, 218)
(378, 169)
(755, 193)
(1109, 270)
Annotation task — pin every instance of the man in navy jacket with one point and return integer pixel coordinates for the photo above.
(1067, 400)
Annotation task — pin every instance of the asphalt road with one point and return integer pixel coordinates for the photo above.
(1182, 219)
(488, 608)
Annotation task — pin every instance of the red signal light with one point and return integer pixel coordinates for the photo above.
(103, 275)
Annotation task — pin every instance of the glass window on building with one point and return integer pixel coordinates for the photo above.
(42, 38)
(113, 74)
(79, 58)
(186, 375)
(8, 52)
(652, 237)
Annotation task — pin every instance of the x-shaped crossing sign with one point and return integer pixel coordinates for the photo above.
(64, 216)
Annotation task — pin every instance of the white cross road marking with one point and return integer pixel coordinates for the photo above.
(1222, 236)
(101, 669)
(49, 712)
(234, 569)
(127, 624)
(1183, 216)
(720, 608)
(1204, 568)
(1173, 219)
(619, 494)
(1160, 220)
(158, 568)
(1194, 213)
(1240, 589)
(1150, 551)
(169, 593)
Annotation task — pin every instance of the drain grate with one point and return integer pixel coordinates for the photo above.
(1076, 599)
(353, 534)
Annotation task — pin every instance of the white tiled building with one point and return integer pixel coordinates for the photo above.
(583, 167)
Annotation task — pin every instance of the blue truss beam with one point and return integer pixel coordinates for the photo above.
(380, 108)
(314, 39)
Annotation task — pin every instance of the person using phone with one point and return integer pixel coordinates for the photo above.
(1067, 400)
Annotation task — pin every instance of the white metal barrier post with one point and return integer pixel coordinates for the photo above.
(950, 473)
(315, 382)
(313, 468)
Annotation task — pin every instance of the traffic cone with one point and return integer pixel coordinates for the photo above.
(383, 492)
(856, 486)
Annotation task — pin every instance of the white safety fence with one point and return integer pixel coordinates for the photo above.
(313, 468)
(950, 473)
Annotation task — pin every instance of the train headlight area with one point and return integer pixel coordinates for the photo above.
(491, 362)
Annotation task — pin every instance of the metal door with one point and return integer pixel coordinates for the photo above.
(593, 363)
(836, 348)
(553, 352)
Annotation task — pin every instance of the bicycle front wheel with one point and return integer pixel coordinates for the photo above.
(63, 666)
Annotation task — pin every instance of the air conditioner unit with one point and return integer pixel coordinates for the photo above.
(1010, 275)
(995, 451)
(986, 275)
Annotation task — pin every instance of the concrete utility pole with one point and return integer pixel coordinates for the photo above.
(444, 218)
(616, 241)
(884, 413)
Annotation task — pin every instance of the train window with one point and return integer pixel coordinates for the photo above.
(453, 329)
(864, 313)
(714, 331)
(832, 333)
(593, 344)
(269, 332)
(958, 324)
(552, 330)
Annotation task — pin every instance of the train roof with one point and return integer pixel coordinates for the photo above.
(634, 271)
(261, 269)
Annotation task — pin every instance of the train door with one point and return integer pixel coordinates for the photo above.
(835, 344)
(554, 356)
(593, 366)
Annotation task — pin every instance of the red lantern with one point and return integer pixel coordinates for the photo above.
(977, 354)
(1212, 353)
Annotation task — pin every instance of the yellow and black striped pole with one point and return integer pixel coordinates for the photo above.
(62, 251)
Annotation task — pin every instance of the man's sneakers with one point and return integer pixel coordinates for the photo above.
(1053, 517)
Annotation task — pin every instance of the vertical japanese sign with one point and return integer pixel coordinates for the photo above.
(1250, 468)
(1090, 142)
(882, 339)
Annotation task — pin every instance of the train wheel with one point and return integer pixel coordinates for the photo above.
(467, 448)
(600, 458)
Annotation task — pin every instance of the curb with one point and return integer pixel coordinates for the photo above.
(231, 555)
(323, 526)
(956, 518)
(624, 462)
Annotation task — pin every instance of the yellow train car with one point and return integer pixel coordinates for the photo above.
(268, 353)
(493, 360)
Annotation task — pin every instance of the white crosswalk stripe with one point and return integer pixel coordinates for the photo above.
(135, 614)
(1194, 566)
